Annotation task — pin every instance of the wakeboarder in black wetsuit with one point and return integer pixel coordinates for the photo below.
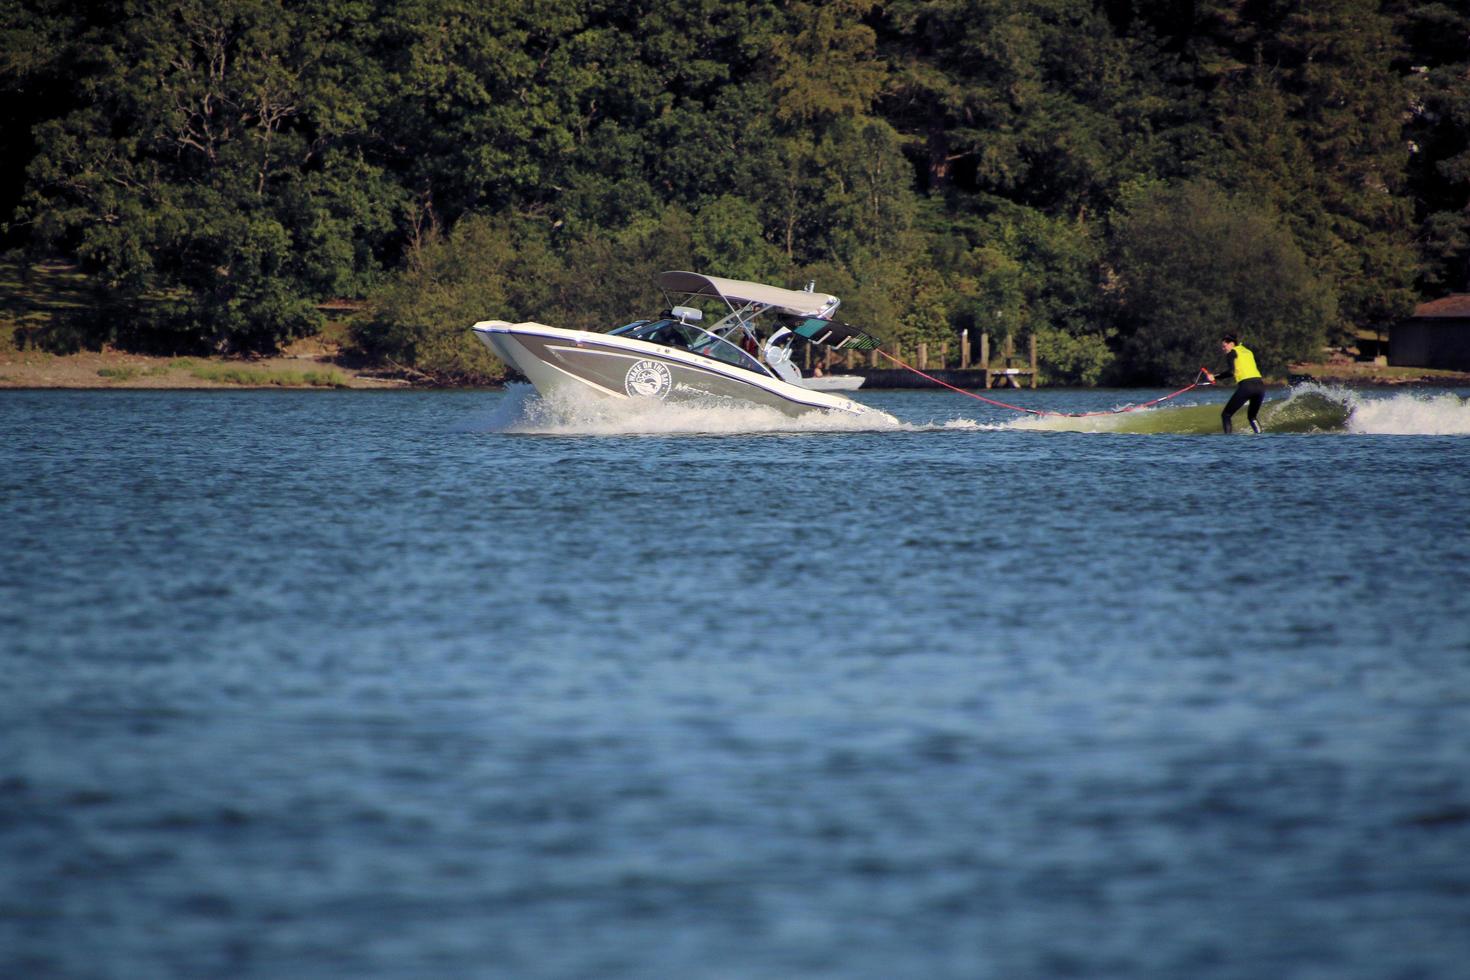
(1249, 387)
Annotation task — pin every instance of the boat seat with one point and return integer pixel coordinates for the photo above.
(778, 356)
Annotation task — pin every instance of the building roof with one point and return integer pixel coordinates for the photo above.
(1455, 305)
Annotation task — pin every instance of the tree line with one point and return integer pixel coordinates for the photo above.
(1124, 179)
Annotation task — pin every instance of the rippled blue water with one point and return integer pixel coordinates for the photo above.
(396, 684)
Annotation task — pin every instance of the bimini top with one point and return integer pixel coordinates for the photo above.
(736, 292)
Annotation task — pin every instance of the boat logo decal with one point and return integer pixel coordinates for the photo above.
(648, 379)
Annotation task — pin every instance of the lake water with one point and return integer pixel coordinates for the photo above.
(452, 684)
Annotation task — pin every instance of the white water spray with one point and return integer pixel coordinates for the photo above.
(573, 413)
(1309, 408)
(1411, 414)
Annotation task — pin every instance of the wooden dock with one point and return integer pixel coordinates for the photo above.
(1008, 370)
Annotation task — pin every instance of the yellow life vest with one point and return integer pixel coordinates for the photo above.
(1245, 364)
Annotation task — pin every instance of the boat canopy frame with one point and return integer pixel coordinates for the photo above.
(739, 294)
(804, 312)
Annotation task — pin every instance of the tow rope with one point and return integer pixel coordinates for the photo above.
(1041, 411)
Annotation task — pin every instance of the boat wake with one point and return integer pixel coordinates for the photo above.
(1304, 409)
(523, 411)
(1307, 408)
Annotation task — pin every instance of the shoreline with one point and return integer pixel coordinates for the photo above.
(320, 367)
(112, 369)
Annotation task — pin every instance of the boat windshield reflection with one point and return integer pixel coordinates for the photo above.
(676, 333)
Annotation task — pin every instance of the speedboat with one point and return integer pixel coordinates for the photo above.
(743, 357)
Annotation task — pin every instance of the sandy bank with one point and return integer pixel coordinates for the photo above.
(115, 369)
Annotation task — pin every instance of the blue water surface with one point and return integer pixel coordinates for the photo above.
(376, 684)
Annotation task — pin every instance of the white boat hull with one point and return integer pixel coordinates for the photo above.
(555, 359)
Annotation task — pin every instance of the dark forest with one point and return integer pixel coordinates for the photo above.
(1122, 180)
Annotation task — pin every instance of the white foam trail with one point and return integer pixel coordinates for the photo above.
(1375, 413)
(1070, 423)
(1098, 419)
(525, 412)
(1411, 414)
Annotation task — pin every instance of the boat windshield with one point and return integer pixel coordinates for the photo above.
(670, 333)
(625, 328)
(673, 333)
(722, 350)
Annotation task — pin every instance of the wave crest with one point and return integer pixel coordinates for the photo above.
(1306, 408)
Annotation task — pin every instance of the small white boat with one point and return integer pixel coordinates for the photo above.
(833, 382)
(672, 357)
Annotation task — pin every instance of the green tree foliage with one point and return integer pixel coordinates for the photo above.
(676, 110)
(1039, 101)
(1194, 263)
(1336, 66)
(505, 267)
(484, 102)
(206, 181)
(1436, 58)
(943, 165)
(1308, 111)
(1012, 271)
(826, 64)
(841, 188)
(37, 55)
(727, 234)
(610, 273)
(485, 268)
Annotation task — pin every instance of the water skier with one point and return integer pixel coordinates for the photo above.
(1249, 385)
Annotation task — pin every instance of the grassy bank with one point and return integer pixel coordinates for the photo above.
(227, 374)
(36, 304)
(1346, 372)
(118, 369)
(262, 377)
